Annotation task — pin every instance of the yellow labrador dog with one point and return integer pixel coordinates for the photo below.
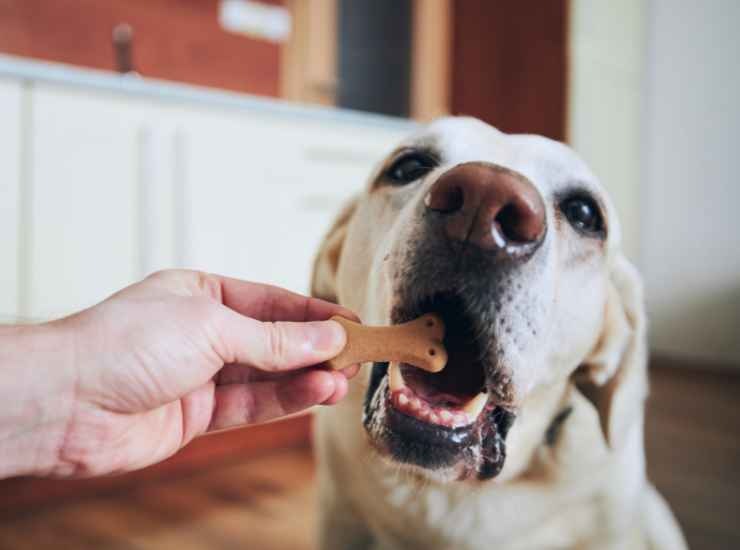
(532, 436)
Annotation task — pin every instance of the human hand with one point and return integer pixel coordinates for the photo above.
(176, 355)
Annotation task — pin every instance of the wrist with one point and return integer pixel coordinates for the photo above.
(37, 381)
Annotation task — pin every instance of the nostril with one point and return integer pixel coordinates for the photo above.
(518, 223)
(508, 219)
(447, 199)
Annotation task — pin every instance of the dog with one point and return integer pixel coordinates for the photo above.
(532, 435)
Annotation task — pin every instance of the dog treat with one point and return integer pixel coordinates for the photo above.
(417, 342)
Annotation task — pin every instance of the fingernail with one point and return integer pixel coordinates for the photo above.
(326, 336)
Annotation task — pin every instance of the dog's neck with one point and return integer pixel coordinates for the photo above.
(528, 434)
(549, 434)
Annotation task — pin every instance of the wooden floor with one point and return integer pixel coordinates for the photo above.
(692, 438)
(265, 503)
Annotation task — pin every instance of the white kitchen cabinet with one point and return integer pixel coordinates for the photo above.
(104, 179)
(82, 226)
(331, 163)
(89, 198)
(11, 109)
(261, 191)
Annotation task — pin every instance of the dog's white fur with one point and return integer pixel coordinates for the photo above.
(589, 489)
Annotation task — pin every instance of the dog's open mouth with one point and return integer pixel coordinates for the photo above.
(456, 396)
(456, 418)
(426, 398)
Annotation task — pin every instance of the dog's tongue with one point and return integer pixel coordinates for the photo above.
(410, 394)
(416, 380)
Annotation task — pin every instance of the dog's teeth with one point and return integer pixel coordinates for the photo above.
(402, 399)
(395, 380)
(415, 404)
(433, 418)
(446, 416)
(474, 407)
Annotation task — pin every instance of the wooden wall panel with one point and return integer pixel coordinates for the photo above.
(178, 40)
(509, 64)
(431, 51)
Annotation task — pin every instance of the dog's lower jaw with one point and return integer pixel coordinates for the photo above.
(474, 453)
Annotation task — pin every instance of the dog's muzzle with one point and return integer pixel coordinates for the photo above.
(455, 420)
(478, 224)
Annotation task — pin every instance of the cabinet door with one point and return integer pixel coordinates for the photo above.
(262, 190)
(84, 226)
(11, 103)
(329, 164)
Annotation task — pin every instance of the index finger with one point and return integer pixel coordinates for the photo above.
(240, 404)
(271, 303)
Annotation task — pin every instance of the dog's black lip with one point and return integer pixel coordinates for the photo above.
(416, 442)
(413, 428)
(378, 372)
(440, 436)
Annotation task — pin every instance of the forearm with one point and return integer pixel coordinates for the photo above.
(36, 397)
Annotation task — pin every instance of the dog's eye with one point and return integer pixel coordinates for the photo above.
(411, 167)
(584, 215)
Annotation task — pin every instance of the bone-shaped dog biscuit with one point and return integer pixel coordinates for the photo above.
(417, 342)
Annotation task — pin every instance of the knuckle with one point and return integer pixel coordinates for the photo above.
(208, 284)
(165, 275)
(277, 345)
(188, 282)
(212, 321)
(82, 452)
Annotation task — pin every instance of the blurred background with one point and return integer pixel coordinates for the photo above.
(224, 135)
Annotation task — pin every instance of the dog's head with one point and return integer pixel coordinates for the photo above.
(512, 240)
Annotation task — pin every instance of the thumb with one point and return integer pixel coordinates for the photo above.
(279, 346)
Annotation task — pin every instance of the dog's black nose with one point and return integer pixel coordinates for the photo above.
(489, 206)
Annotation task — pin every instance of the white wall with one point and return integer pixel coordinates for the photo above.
(691, 178)
(654, 108)
(607, 53)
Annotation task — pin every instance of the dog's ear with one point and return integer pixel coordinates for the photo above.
(614, 376)
(326, 264)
